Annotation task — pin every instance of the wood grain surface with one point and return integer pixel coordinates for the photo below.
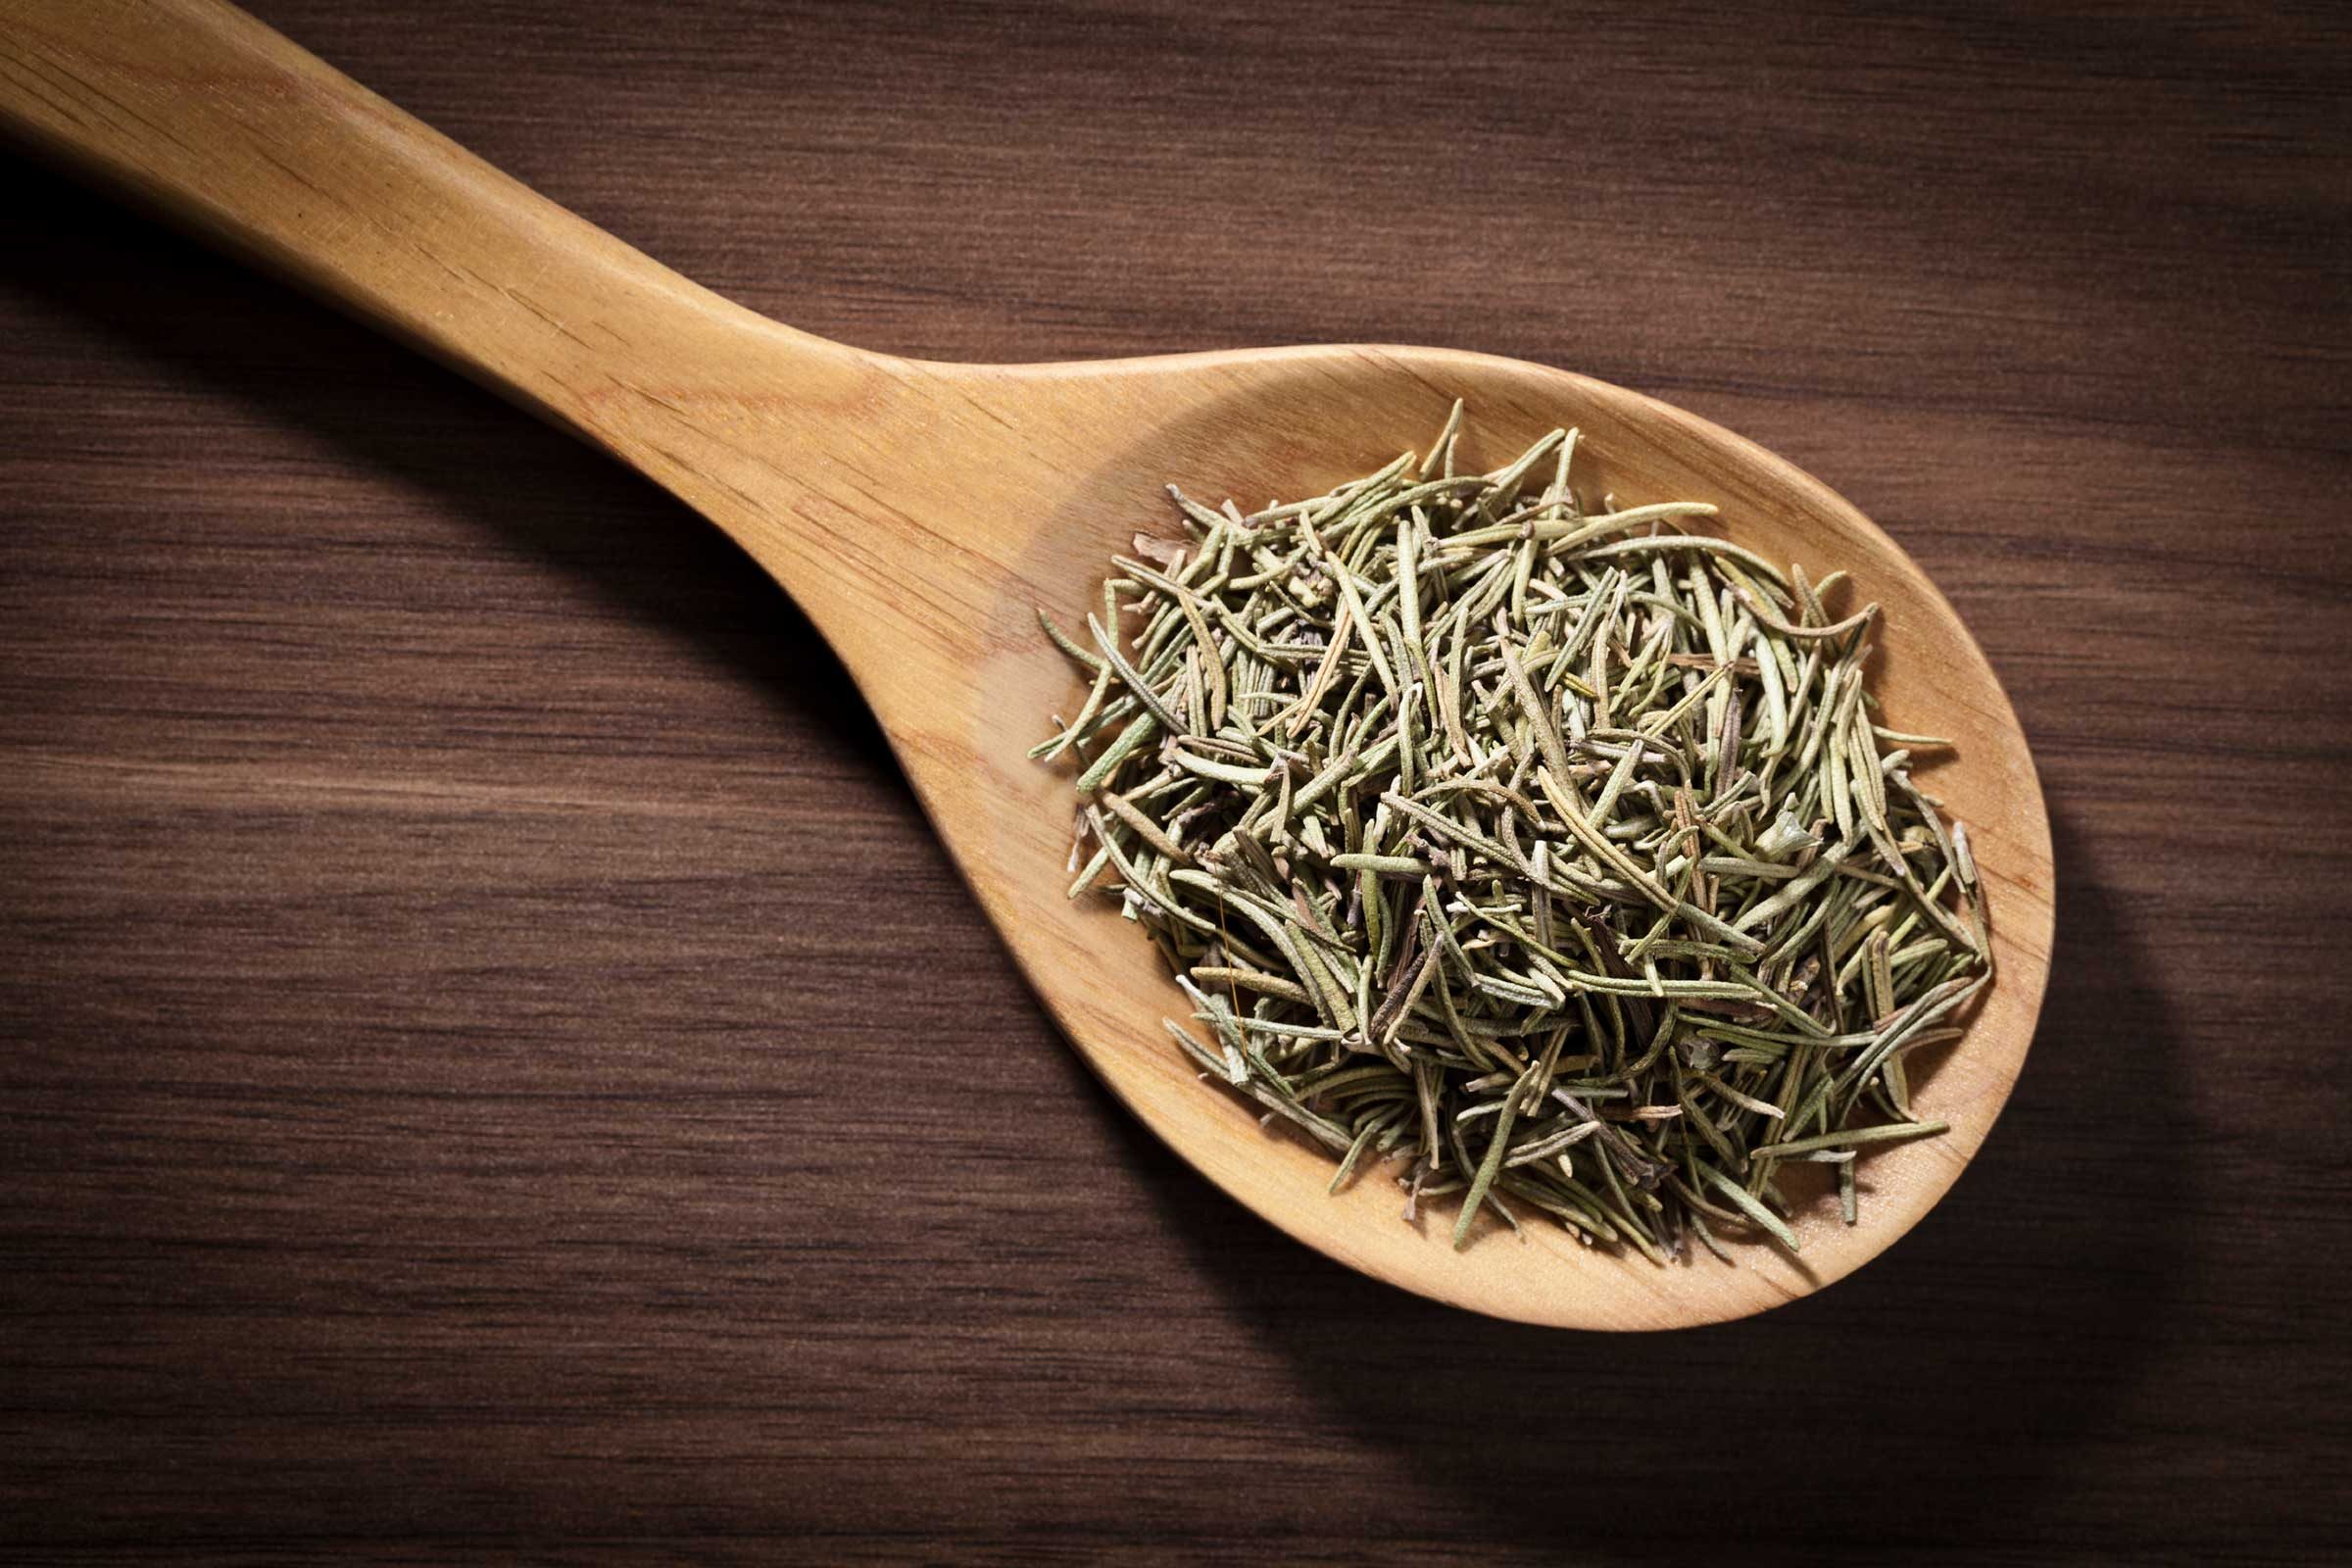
(493, 1063)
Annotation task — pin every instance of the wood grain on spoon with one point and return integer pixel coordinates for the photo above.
(918, 511)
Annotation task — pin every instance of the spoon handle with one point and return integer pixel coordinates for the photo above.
(232, 130)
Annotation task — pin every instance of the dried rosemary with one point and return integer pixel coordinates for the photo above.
(1549, 853)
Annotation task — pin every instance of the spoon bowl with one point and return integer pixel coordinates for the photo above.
(921, 513)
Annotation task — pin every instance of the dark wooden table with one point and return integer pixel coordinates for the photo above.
(490, 1054)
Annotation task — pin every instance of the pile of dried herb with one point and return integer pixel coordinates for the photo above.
(1549, 851)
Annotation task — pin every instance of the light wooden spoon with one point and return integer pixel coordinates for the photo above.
(919, 512)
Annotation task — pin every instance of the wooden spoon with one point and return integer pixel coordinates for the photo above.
(919, 512)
